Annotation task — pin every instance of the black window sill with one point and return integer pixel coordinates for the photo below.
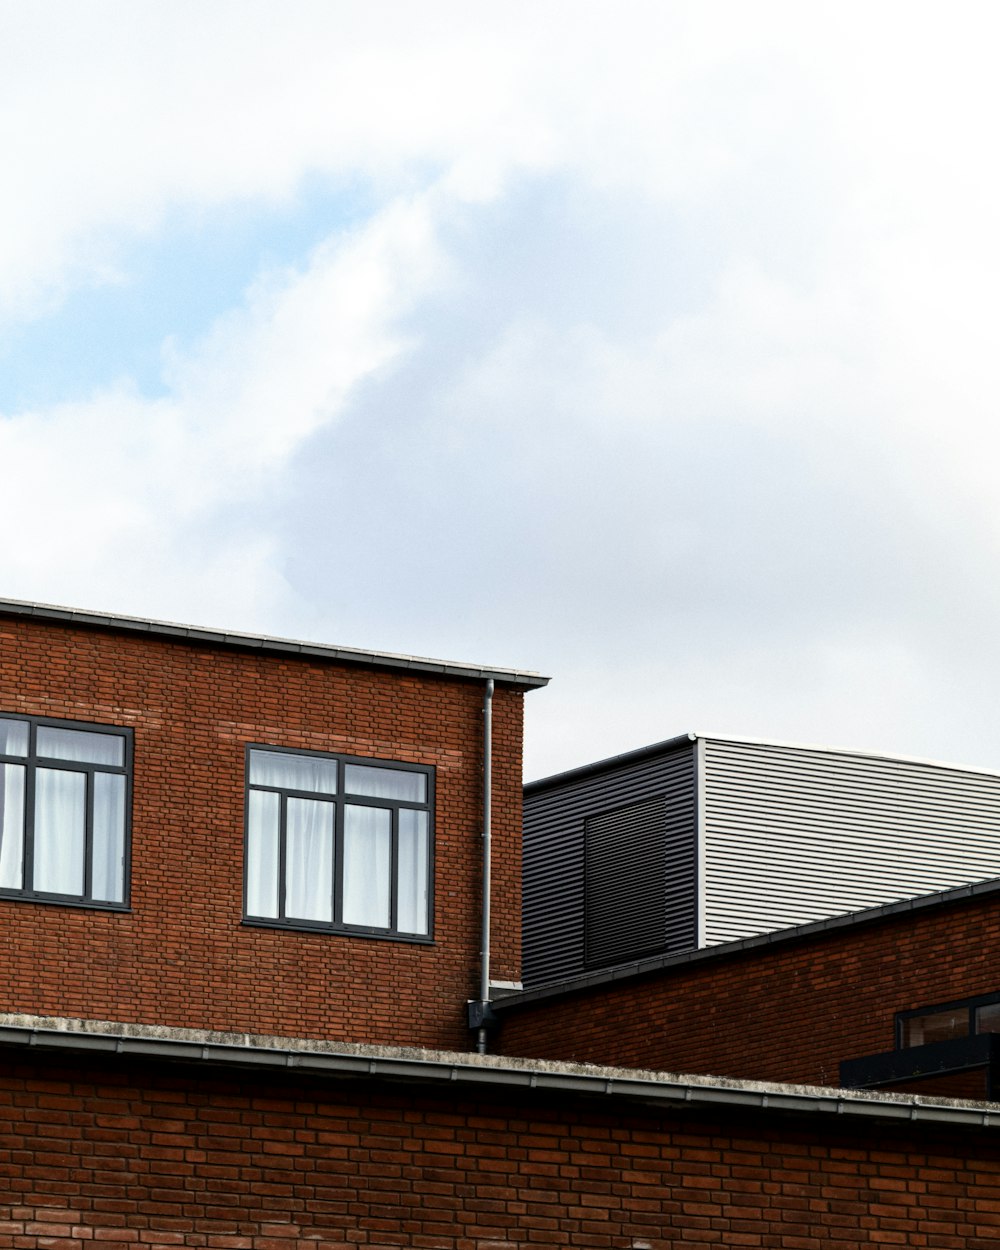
(958, 1054)
(303, 926)
(61, 900)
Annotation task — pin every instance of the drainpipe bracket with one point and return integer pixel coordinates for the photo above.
(481, 1015)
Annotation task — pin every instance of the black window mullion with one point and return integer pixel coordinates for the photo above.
(31, 765)
(88, 834)
(282, 842)
(338, 862)
(394, 870)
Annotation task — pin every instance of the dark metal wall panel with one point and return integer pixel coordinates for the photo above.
(554, 861)
(624, 883)
(794, 834)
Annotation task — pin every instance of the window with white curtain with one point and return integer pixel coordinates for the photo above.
(336, 842)
(64, 803)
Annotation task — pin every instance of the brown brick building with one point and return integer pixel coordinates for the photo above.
(241, 900)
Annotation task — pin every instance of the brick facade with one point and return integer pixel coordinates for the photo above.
(784, 1011)
(182, 956)
(120, 1154)
(121, 1136)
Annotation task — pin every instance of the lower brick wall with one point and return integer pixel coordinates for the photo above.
(154, 1156)
(972, 1084)
(787, 1011)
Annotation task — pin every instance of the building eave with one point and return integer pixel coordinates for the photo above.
(470, 1072)
(723, 950)
(267, 644)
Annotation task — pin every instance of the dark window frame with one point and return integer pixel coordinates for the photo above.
(31, 762)
(339, 802)
(970, 1005)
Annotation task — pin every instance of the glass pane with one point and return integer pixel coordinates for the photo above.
(367, 842)
(411, 887)
(60, 824)
(11, 826)
(77, 744)
(936, 1026)
(263, 816)
(108, 871)
(13, 737)
(988, 1018)
(309, 860)
(293, 772)
(385, 783)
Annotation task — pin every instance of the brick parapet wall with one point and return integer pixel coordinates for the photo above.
(788, 1011)
(182, 956)
(120, 1154)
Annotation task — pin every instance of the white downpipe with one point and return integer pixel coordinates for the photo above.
(484, 964)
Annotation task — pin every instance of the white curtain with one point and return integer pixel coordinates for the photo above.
(108, 871)
(11, 826)
(367, 847)
(411, 885)
(293, 772)
(13, 737)
(262, 853)
(60, 830)
(78, 745)
(385, 783)
(309, 860)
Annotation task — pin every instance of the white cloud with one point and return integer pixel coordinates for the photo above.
(763, 433)
(117, 486)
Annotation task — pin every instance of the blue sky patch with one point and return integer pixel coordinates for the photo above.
(173, 286)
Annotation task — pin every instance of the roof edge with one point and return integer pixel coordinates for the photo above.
(613, 761)
(448, 1069)
(267, 643)
(774, 937)
(671, 744)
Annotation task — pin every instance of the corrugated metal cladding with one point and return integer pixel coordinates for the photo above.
(794, 834)
(555, 852)
(624, 883)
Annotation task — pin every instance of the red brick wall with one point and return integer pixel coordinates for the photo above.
(787, 1012)
(117, 1156)
(972, 1084)
(182, 956)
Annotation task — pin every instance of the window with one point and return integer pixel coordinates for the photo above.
(965, 1018)
(335, 842)
(63, 811)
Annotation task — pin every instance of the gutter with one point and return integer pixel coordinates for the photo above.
(265, 643)
(445, 1070)
(812, 929)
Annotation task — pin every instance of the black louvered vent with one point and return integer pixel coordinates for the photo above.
(625, 882)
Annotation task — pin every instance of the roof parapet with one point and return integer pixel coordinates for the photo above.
(267, 643)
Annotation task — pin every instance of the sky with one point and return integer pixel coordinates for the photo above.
(651, 346)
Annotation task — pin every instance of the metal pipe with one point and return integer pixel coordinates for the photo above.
(484, 961)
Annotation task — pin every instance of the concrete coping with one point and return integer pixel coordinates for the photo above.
(314, 1057)
(266, 643)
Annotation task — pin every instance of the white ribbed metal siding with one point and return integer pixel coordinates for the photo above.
(794, 834)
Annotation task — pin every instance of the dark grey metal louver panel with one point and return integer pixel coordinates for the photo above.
(554, 851)
(794, 834)
(624, 883)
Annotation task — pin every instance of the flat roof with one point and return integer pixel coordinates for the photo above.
(266, 643)
(604, 977)
(687, 739)
(451, 1072)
